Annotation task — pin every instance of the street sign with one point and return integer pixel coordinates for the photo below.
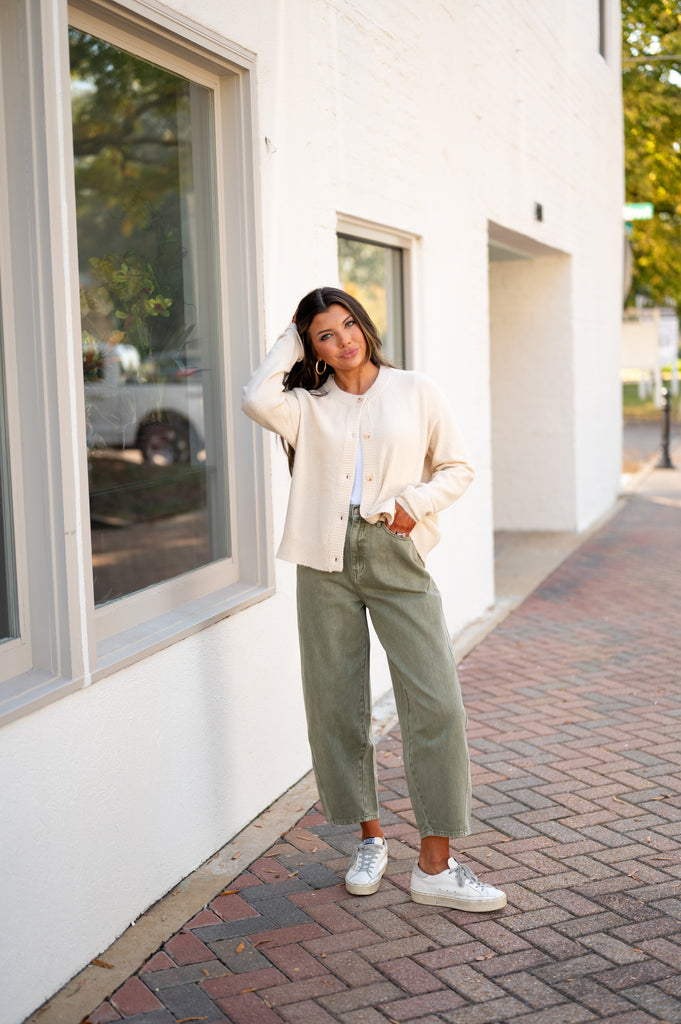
(638, 211)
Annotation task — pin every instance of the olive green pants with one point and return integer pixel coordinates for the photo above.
(384, 574)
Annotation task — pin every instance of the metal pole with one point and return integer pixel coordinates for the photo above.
(665, 459)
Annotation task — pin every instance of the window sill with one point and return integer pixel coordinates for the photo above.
(140, 641)
(35, 689)
(31, 691)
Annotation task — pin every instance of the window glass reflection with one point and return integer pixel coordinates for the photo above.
(8, 604)
(145, 199)
(372, 272)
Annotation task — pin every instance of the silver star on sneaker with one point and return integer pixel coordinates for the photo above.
(367, 867)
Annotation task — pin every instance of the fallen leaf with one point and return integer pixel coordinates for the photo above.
(243, 991)
(204, 971)
(258, 826)
(229, 892)
(102, 963)
(236, 855)
(76, 989)
(183, 1019)
(240, 948)
(617, 799)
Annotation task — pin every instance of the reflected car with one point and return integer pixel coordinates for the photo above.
(155, 406)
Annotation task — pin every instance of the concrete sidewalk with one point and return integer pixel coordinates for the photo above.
(574, 703)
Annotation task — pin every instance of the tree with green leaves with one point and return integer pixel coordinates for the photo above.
(651, 82)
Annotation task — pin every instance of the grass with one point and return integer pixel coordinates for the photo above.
(644, 409)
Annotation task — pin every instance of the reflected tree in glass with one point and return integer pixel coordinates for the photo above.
(148, 264)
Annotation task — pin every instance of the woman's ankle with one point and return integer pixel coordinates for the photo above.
(371, 829)
(434, 855)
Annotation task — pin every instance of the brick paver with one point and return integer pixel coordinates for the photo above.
(574, 704)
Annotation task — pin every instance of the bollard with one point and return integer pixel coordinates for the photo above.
(665, 459)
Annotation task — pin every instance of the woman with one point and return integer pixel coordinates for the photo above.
(374, 457)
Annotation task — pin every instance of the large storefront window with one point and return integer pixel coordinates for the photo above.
(8, 610)
(150, 318)
(373, 273)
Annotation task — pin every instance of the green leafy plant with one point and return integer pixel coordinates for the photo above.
(126, 288)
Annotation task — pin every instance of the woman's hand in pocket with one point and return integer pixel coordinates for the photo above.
(402, 524)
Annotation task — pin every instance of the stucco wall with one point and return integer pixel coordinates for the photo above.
(533, 444)
(434, 119)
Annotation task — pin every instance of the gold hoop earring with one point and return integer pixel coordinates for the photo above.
(316, 366)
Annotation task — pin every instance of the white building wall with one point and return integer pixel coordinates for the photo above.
(433, 119)
(532, 388)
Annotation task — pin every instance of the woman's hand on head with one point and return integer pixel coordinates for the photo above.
(402, 524)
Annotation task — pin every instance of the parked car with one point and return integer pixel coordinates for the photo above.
(156, 407)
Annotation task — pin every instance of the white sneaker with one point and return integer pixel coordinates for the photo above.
(455, 887)
(367, 867)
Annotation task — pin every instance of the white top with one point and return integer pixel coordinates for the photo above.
(356, 495)
(412, 453)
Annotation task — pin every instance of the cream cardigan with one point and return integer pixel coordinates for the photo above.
(411, 453)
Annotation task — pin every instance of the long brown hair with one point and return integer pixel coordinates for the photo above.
(303, 374)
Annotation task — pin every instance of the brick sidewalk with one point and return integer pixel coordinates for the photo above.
(575, 739)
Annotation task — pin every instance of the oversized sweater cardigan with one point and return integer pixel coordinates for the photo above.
(411, 453)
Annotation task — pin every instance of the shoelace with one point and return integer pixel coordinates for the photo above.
(367, 855)
(464, 874)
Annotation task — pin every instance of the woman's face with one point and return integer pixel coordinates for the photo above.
(337, 339)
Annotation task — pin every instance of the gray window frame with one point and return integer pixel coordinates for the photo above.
(66, 643)
(361, 230)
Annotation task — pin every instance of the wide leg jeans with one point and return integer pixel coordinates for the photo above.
(382, 573)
